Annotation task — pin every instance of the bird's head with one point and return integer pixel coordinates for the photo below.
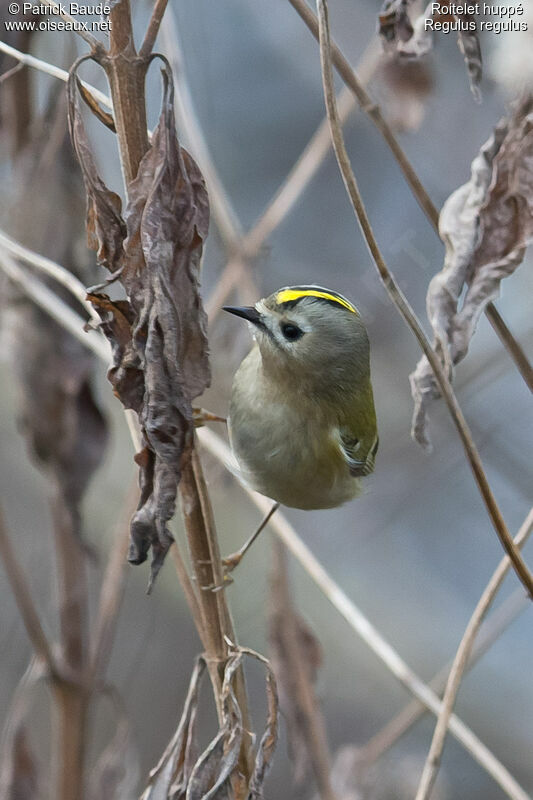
(309, 333)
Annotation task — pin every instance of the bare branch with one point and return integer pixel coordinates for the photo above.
(91, 40)
(10, 72)
(50, 69)
(404, 308)
(362, 626)
(24, 600)
(310, 159)
(460, 661)
(490, 632)
(511, 345)
(153, 28)
(426, 204)
(50, 268)
(374, 112)
(235, 273)
(60, 311)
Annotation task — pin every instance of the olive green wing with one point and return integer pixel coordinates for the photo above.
(360, 457)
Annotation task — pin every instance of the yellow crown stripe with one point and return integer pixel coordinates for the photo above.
(286, 295)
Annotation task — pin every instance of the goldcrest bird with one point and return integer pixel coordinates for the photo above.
(302, 423)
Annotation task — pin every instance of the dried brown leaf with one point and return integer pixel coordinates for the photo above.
(394, 23)
(183, 775)
(486, 226)
(415, 40)
(158, 336)
(106, 229)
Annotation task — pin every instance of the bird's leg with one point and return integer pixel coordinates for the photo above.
(201, 416)
(234, 559)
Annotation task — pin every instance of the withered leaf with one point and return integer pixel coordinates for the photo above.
(183, 775)
(486, 226)
(158, 335)
(105, 227)
(125, 375)
(414, 40)
(394, 22)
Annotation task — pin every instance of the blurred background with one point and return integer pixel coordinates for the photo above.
(417, 549)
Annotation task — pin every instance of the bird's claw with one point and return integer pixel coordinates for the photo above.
(230, 562)
(227, 580)
(201, 416)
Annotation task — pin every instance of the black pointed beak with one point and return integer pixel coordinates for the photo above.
(249, 313)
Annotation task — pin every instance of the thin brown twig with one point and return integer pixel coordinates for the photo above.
(188, 590)
(153, 28)
(46, 299)
(369, 106)
(71, 705)
(10, 72)
(309, 160)
(374, 112)
(236, 273)
(404, 308)
(95, 44)
(431, 767)
(286, 196)
(510, 343)
(490, 632)
(49, 69)
(22, 594)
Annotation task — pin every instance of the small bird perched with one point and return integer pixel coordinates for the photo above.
(302, 422)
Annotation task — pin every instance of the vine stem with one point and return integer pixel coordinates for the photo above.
(460, 661)
(404, 308)
(372, 109)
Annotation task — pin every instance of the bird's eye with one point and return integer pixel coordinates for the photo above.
(291, 332)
